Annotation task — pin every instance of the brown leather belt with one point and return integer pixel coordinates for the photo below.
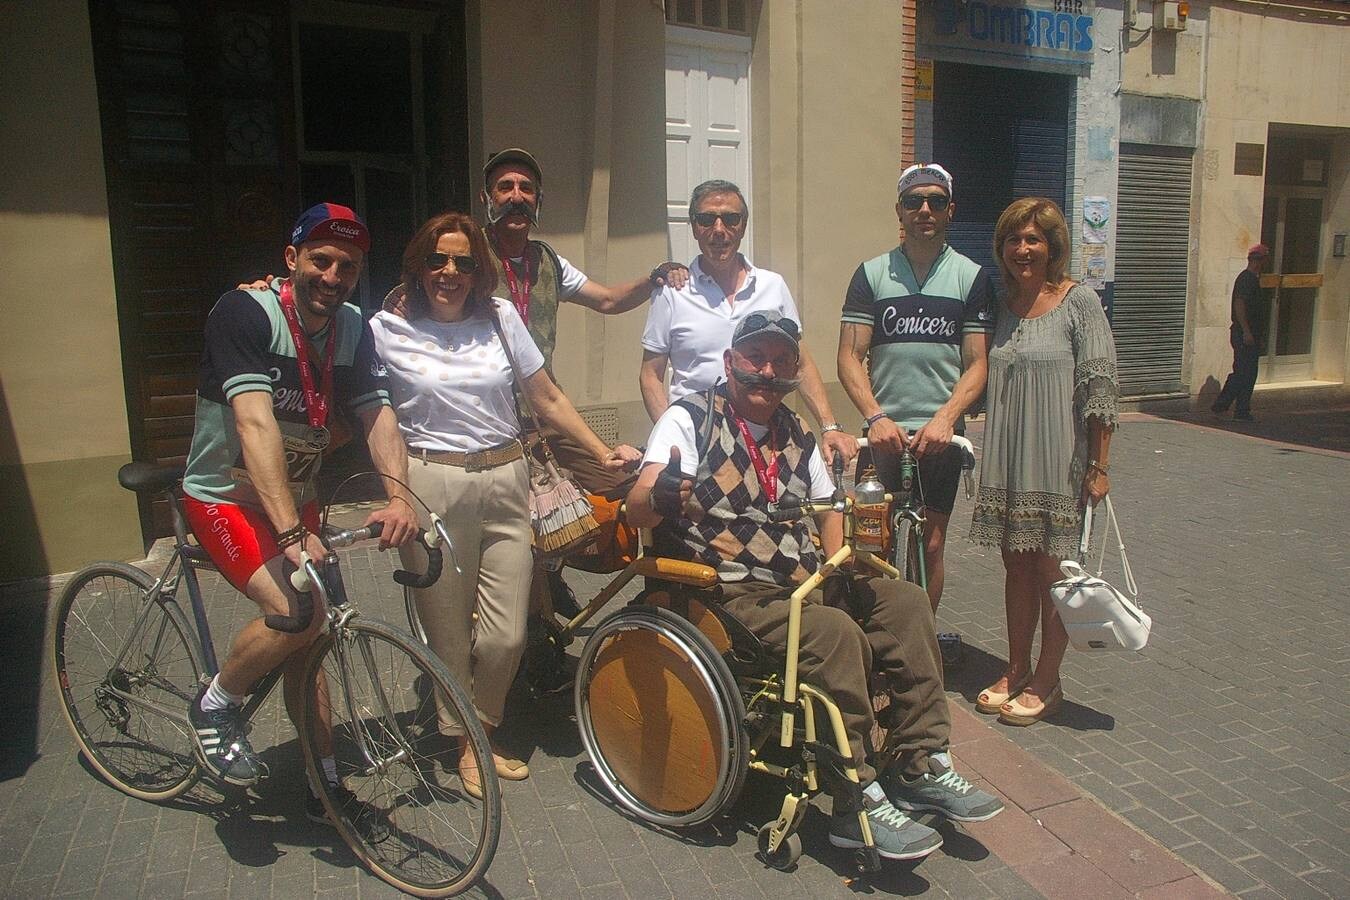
(476, 461)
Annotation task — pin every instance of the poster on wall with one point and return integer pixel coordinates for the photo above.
(923, 80)
(1094, 266)
(1096, 213)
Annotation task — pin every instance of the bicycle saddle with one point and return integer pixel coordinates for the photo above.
(146, 477)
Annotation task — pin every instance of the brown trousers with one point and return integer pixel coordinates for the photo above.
(896, 638)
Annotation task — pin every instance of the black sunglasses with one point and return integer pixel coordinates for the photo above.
(706, 219)
(464, 265)
(936, 202)
(757, 321)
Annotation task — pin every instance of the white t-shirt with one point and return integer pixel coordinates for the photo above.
(570, 278)
(694, 326)
(450, 382)
(675, 428)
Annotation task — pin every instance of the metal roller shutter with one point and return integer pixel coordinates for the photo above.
(1152, 251)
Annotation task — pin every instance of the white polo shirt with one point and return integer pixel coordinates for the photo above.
(694, 326)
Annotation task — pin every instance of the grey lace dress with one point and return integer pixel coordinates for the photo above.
(1047, 376)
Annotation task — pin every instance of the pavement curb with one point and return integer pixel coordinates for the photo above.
(1060, 840)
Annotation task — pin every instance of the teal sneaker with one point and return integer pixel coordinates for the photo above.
(895, 834)
(941, 790)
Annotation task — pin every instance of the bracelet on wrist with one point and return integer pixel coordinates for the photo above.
(872, 420)
(830, 426)
(1093, 464)
(291, 536)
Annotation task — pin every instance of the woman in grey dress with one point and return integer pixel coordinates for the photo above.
(1051, 401)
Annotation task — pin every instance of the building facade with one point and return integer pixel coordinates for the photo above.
(167, 146)
(158, 150)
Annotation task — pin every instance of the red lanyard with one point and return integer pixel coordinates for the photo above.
(316, 404)
(767, 473)
(520, 292)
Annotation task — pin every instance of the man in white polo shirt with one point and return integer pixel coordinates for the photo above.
(688, 330)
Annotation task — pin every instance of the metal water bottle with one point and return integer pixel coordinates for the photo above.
(869, 507)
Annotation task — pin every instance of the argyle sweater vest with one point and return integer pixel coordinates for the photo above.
(726, 523)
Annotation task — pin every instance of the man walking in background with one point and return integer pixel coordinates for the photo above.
(1237, 390)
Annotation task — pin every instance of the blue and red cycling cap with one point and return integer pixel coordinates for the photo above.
(328, 221)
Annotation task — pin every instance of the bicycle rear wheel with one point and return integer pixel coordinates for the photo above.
(398, 720)
(119, 655)
(906, 546)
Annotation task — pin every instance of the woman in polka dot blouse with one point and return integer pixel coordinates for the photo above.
(451, 381)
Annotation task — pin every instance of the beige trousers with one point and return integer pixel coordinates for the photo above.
(488, 517)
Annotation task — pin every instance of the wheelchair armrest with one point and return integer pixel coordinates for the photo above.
(676, 570)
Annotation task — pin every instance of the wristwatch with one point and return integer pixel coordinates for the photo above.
(830, 426)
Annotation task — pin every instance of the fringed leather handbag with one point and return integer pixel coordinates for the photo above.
(561, 517)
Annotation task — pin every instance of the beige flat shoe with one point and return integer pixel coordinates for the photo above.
(990, 702)
(470, 777)
(1015, 712)
(510, 769)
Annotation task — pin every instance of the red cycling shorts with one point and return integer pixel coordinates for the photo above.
(239, 539)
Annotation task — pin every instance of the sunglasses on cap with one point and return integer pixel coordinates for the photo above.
(757, 321)
(464, 265)
(706, 219)
(936, 202)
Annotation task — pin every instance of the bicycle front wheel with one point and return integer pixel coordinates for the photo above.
(398, 721)
(906, 546)
(127, 672)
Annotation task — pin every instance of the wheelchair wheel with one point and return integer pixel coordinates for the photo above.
(661, 717)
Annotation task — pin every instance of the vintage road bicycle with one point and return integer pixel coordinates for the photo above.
(907, 520)
(128, 663)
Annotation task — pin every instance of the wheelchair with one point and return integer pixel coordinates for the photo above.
(677, 701)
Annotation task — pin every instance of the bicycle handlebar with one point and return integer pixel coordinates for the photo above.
(959, 441)
(307, 576)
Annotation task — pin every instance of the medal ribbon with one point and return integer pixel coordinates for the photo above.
(316, 402)
(767, 473)
(520, 291)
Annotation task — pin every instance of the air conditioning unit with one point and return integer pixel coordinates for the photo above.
(1170, 16)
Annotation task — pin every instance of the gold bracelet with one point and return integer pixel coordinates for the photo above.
(1093, 464)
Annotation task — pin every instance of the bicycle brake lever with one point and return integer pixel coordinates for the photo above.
(439, 535)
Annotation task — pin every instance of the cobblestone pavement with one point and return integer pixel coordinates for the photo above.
(1225, 740)
(1222, 740)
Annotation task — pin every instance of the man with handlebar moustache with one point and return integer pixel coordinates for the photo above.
(277, 360)
(718, 465)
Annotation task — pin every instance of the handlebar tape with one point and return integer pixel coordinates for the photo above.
(433, 572)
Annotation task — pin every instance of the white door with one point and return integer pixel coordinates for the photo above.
(707, 123)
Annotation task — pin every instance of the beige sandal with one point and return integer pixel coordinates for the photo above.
(1015, 712)
(990, 702)
(470, 776)
(510, 769)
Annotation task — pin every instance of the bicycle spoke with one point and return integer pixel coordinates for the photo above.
(118, 648)
(409, 818)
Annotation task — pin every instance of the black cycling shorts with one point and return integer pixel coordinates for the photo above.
(939, 477)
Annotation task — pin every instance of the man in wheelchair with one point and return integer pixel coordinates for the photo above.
(715, 464)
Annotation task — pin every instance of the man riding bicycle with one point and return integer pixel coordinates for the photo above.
(276, 363)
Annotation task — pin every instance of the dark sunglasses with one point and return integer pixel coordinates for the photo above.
(464, 265)
(757, 321)
(706, 219)
(936, 202)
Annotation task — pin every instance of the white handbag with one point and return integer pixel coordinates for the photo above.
(1096, 615)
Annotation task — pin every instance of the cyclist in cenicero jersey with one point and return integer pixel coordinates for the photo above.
(276, 362)
(914, 351)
